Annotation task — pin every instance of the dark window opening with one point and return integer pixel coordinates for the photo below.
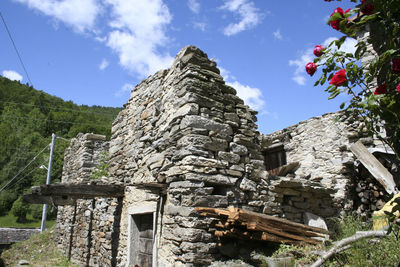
(219, 190)
(274, 156)
(286, 200)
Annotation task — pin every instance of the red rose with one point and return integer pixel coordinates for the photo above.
(339, 10)
(336, 23)
(339, 78)
(398, 88)
(396, 65)
(382, 89)
(367, 9)
(318, 50)
(311, 68)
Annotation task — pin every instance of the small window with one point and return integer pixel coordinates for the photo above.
(274, 156)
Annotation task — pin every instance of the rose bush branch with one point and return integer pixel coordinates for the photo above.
(373, 88)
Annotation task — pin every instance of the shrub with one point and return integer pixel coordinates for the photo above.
(6, 201)
(36, 211)
(20, 209)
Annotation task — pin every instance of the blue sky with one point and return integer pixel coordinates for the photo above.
(94, 52)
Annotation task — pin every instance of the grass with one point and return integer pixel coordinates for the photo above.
(10, 220)
(39, 250)
(367, 252)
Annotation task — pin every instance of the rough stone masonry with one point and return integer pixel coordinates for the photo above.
(183, 140)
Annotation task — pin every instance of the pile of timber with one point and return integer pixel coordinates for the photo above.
(238, 223)
(370, 196)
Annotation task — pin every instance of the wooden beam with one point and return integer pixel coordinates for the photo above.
(281, 233)
(83, 191)
(380, 173)
(56, 200)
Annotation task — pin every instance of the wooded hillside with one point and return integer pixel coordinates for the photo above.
(28, 117)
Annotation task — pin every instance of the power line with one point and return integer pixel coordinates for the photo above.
(16, 182)
(58, 109)
(20, 171)
(18, 150)
(16, 50)
(47, 120)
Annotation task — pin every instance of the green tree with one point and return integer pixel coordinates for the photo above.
(6, 200)
(20, 209)
(28, 117)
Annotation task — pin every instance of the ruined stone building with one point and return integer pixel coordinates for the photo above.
(184, 140)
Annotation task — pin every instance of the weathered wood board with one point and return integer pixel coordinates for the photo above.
(378, 171)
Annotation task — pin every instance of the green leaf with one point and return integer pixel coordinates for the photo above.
(339, 42)
(365, 19)
(361, 48)
(334, 94)
(323, 79)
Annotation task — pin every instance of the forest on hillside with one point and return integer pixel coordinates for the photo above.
(28, 117)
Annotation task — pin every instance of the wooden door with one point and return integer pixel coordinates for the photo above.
(142, 240)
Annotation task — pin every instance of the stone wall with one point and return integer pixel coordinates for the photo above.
(13, 235)
(88, 232)
(323, 183)
(184, 127)
(82, 156)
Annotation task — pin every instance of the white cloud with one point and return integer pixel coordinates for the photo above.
(124, 89)
(101, 39)
(300, 63)
(248, 13)
(224, 73)
(104, 64)
(194, 6)
(251, 96)
(300, 76)
(277, 34)
(137, 28)
(299, 79)
(12, 75)
(200, 25)
(349, 46)
(138, 31)
(80, 14)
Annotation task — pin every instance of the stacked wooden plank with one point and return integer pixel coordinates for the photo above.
(243, 224)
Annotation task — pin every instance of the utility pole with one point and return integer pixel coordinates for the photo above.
(44, 214)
